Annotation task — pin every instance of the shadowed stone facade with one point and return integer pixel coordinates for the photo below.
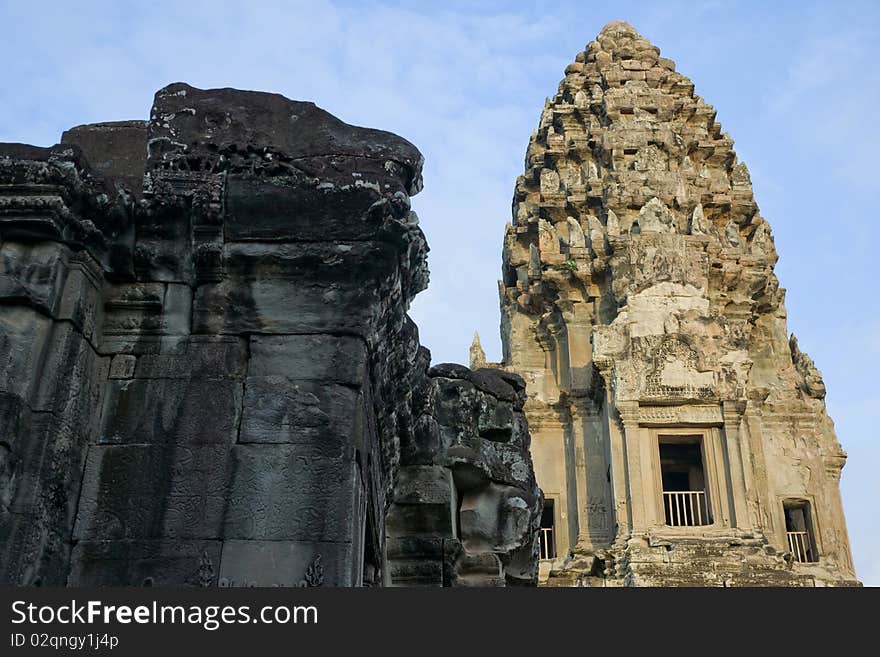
(679, 435)
(207, 373)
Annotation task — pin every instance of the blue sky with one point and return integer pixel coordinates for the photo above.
(796, 84)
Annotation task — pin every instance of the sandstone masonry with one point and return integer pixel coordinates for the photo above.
(207, 373)
(679, 434)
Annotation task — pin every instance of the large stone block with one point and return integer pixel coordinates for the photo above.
(328, 358)
(44, 449)
(146, 491)
(177, 309)
(166, 411)
(325, 416)
(29, 460)
(261, 210)
(116, 151)
(287, 492)
(421, 572)
(82, 300)
(287, 563)
(267, 306)
(266, 133)
(160, 562)
(425, 503)
(420, 520)
(414, 547)
(23, 336)
(425, 484)
(76, 390)
(33, 552)
(33, 274)
(134, 310)
(202, 357)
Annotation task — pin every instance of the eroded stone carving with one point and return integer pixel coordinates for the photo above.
(466, 506)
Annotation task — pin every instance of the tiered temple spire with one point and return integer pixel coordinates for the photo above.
(640, 305)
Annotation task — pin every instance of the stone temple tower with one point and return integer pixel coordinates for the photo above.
(679, 434)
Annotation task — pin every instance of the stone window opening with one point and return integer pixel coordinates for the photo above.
(548, 531)
(683, 474)
(799, 531)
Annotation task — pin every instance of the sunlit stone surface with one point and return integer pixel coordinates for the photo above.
(678, 433)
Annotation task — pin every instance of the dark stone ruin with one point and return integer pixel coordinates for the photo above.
(208, 376)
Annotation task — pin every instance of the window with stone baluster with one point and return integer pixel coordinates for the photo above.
(548, 531)
(683, 473)
(799, 531)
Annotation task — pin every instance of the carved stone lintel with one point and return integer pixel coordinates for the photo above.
(691, 414)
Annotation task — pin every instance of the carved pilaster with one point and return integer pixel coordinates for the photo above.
(619, 505)
(733, 412)
(758, 483)
(635, 468)
(594, 512)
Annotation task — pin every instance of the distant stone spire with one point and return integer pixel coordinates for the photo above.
(478, 356)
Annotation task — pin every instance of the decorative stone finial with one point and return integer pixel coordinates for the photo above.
(478, 356)
(619, 27)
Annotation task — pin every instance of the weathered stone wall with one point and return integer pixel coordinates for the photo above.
(207, 373)
(49, 323)
(639, 304)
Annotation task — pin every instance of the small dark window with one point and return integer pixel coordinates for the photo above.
(799, 531)
(548, 531)
(685, 502)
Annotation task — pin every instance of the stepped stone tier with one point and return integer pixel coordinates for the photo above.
(679, 434)
(208, 376)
